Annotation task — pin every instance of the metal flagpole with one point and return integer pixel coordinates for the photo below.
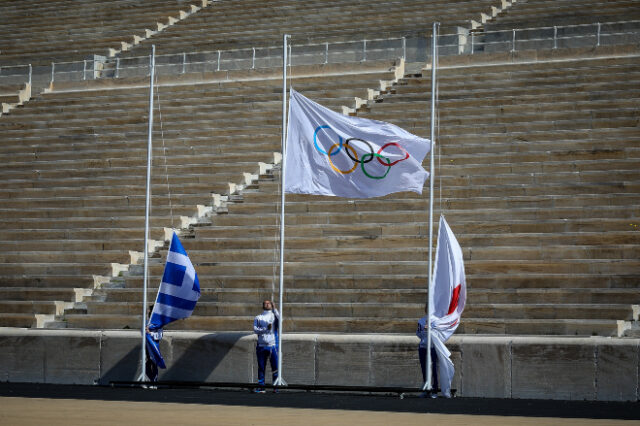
(280, 381)
(434, 53)
(152, 65)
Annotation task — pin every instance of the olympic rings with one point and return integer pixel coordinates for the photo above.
(395, 162)
(368, 144)
(315, 140)
(347, 148)
(378, 156)
(353, 155)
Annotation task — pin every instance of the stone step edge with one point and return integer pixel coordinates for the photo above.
(220, 201)
(204, 213)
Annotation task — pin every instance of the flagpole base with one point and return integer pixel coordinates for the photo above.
(280, 382)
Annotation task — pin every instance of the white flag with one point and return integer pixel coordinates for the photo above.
(332, 154)
(449, 293)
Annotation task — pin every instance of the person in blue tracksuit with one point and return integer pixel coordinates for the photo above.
(154, 358)
(265, 326)
(422, 332)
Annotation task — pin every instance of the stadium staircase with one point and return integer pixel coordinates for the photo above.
(41, 32)
(537, 176)
(245, 24)
(74, 200)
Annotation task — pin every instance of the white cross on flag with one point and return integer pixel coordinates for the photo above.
(179, 290)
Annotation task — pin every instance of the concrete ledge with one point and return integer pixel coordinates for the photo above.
(596, 368)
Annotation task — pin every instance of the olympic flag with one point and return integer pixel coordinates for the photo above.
(449, 296)
(332, 154)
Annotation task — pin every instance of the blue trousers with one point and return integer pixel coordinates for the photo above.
(263, 353)
(422, 353)
(151, 369)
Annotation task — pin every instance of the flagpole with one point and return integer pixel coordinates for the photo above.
(147, 208)
(280, 381)
(434, 46)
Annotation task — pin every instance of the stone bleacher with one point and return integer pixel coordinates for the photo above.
(48, 31)
(537, 177)
(539, 180)
(538, 13)
(537, 169)
(584, 23)
(73, 201)
(13, 95)
(243, 24)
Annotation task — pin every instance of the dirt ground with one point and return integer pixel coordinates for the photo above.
(32, 404)
(57, 412)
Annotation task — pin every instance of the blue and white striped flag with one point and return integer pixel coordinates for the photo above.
(153, 349)
(179, 290)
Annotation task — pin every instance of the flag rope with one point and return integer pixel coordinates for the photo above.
(439, 152)
(164, 150)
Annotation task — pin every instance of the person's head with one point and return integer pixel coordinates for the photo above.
(267, 305)
(150, 310)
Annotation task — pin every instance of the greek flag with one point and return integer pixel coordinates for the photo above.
(179, 290)
(153, 349)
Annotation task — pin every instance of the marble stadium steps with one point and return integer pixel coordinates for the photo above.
(587, 307)
(238, 25)
(251, 92)
(9, 94)
(522, 274)
(121, 174)
(19, 305)
(317, 264)
(408, 248)
(197, 142)
(532, 220)
(565, 12)
(85, 208)
(509, 85)
(386, 310)
(585, 234)
(545, 273)
(219, 108)
(352, 324)
(76, 29)
(269, 202)
(512, 275)
(553, 188)
(221, 240)
(119, 156)
(577, 25)
(572, 68)
(294, 294)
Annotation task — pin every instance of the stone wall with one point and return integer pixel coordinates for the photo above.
(594, 368)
